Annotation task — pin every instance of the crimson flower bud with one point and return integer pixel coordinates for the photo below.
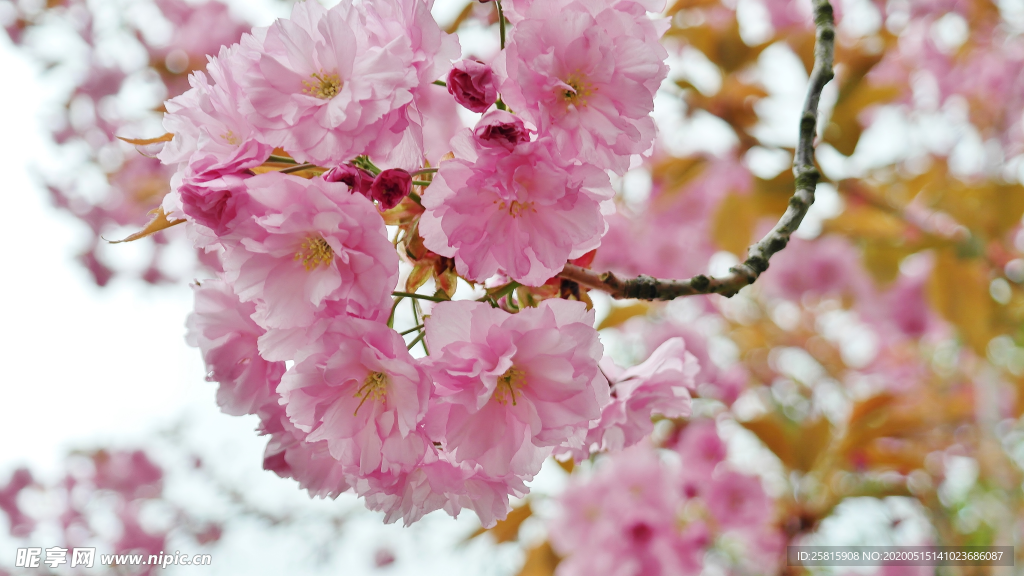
(390, 187)
(500, 129)
(358, 180)
(472, 84)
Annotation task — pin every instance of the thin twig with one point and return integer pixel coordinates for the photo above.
(419, 296)
(416, 341)
(298, 168)
(501, 23)
(807, 175)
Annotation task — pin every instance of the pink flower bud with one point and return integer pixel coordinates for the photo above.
(499, 129)
(358, 180)
(472, 84)
(215, 205)
(390, 187)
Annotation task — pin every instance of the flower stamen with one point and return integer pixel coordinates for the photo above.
(579, 90)
(375, 387)
(323, 86)
(315, 251)
(508, 383)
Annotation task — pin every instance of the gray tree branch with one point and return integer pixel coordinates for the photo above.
(745, 273)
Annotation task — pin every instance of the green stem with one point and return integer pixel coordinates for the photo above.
(281, 159)
(500, 105)
(298, 168)
(424, 171)
(499, 293)
(416, 198)
(419, 296)
(440, 83)
(501, 23)
(417, 341)
(391, 318)
(411, 330)
(420, 183)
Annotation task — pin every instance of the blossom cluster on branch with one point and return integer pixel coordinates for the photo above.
(297, 146)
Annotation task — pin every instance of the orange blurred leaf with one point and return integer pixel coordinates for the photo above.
(619, 314)
(158, 223)
(540, 561)
(734, 224)
(959, 290)
(507, 530)
(146, 141)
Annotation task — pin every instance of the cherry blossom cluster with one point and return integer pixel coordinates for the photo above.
(654, 511)
(300, 143)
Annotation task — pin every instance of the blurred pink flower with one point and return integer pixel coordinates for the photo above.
(625, 516)
(738, 501)
(21, 524)
(700, 450)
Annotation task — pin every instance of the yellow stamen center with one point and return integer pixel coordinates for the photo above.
(508, 383)
(375, 388)
(515, 208)
(231, 139)
(322, 86)
(581, 90)
(315, 251)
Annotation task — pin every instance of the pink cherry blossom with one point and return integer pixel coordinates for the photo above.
(223, 331)
(586, 73)
(439, 484)
(523, 212)
(332, 84)
(659, 386)
(361, 391)
(513, 385)
(290, 455)
(314, 243)
(211, 134)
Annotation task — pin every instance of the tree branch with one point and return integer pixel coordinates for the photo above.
(745, 273)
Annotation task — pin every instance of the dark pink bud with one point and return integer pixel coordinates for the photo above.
(499, 129)
(472, 84)
(216, 204)
(358, 180)
(390, 187)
